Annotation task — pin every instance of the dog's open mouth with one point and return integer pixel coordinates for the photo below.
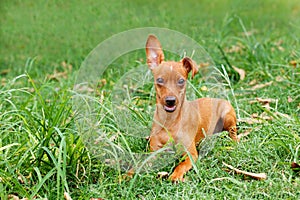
(170, 108)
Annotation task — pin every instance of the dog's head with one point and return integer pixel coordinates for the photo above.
(169, 76)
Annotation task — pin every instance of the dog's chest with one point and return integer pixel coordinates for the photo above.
(180, 133)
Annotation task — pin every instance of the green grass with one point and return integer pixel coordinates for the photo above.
(41, 152)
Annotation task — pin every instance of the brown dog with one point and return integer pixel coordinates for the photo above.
(184, 122)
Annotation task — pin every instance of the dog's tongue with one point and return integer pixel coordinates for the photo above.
(170, 108)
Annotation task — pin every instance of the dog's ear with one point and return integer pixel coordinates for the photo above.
(154, 52)
(190, 65)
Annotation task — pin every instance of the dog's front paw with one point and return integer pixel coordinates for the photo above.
(177, 176)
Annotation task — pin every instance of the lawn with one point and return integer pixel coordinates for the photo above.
(46, 153)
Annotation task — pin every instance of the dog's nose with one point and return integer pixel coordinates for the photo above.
(170, 100)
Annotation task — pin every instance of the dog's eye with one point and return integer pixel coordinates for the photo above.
(160, 80)
(181, 81)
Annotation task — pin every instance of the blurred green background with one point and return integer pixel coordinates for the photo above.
(56, 31)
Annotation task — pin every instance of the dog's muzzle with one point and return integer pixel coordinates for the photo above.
(170, 104)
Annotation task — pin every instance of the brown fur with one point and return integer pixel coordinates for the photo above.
(175, 118)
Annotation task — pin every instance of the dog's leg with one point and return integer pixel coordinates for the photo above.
(156, 142)
(230, 125)
(186, 165)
